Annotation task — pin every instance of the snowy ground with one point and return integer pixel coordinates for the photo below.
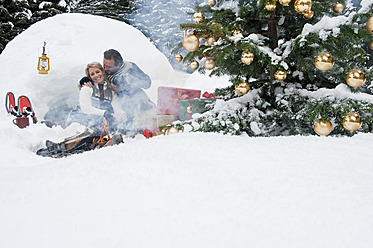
(183, 190)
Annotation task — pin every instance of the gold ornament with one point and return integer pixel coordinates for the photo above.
(198, 17)
(338, 8)
(190, 42)
(189, 109)
(172, 130)
(370, 25)
(355, 78)
(285, 2)
(352, 121)
(242, 88)
(194, 65)
(303, 6)
(237, 32)
(247, 57)
(324, 61)
(216, 24)
(212, 3)
(371, 45)
(178, 57)
(209, 64)
(323, 127)
(280, 75)
(308, 15)
(210, 42)
(270, 6)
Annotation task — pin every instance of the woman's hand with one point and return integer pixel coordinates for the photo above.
(88, 84)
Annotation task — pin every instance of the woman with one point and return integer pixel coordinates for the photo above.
(97, 99)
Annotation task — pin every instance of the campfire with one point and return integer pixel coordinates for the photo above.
(104, 132)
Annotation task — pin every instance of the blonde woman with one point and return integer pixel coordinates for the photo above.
(97, 99)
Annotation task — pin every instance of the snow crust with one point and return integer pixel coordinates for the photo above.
(184, 190)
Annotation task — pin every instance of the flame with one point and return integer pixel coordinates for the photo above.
(104, 132)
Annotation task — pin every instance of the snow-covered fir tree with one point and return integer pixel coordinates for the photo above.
(259, 43)
(159, 20)
(16, 16)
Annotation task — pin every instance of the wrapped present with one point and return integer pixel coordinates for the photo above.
(190, 107)
(169, 97)
(161, 120)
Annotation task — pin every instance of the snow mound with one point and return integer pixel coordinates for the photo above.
(73, 41)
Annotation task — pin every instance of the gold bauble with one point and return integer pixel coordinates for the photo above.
(194, 65)
(370, 25)
(355, 78)
(189, 109)
(371, 45)
(247, 57)
(284, 2)
(172, 130)
(270, 6)
(323, 127)
(237, 32)
(206, 36)
(209, 64)
(308, 15)
(303, 6)
(242, 88)
(212, 3)
(324, 61)
(216, 24)
(191, 42)
(352, 121)
(280, 75)
(338, 8)
(178, 57)
(198, 17)
(210, 42)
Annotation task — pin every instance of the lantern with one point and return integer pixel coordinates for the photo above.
(43, 62)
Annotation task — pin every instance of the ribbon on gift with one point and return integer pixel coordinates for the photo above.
(208, 95)
(180, 96)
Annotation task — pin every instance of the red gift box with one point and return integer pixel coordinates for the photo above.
(169, 97)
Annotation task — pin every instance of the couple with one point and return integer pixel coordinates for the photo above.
(114, 91)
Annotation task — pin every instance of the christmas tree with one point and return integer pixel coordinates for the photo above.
(296, 66)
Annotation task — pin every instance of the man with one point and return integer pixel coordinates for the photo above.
(128, 80)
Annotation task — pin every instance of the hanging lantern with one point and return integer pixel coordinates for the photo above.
(172, 130)
(324, 61)
(352, 121)
(270, 5)
(302, 6)
(247, 57)
(285, 2)
(190, 42)
(338, 8)
(194, 65)
(43, 62)
(323, 127)
(178, 57)
(370, 25)
(308, 15)
(280, 75)
(242, 88)
(212, 3)
(198, 17)
(210, 42)
(355, 78)
(209, 64)
(237, 32)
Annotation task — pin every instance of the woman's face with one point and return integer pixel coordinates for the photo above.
(96, 75)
